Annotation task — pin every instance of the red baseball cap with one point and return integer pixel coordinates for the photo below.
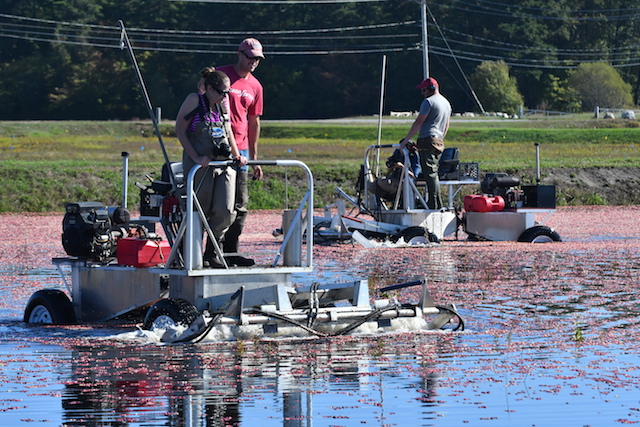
(252, 47)
(428, 82)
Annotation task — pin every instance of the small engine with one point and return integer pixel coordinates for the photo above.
(87, 230)
(517, 196)
(505, 186)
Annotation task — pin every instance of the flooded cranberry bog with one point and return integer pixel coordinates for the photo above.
(551, 339)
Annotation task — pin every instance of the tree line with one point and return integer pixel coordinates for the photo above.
(61, 59)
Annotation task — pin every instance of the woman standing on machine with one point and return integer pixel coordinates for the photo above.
(204, 130)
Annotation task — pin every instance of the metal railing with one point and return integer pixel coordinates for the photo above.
(189, 235)
(407, 185)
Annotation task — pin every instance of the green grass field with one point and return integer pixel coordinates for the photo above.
(46, 164)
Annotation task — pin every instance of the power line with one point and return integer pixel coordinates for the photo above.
(473, 93)
(559, 53)
(506, 10)
(166, 40)
(540, 9)
(542, 49)
(219, 32)
(279, 1)
(313, 42)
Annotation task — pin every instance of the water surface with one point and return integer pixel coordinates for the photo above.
(551, 339)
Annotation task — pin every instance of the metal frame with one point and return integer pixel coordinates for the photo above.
(191, 228)
(388, 220)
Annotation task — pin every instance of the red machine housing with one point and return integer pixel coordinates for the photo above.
(480, 203)
(138, 252)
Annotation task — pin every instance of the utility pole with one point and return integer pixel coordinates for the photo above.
(425, 42)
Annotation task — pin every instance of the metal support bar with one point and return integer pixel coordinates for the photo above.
(125, 177)
(537, 163)
(192, 233)
(210, 234)
(293, 227)
(64, 279)
(175, 245)
(382, 85)
(417, 193)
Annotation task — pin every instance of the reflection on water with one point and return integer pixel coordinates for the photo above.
(403, 379)
(289, 383)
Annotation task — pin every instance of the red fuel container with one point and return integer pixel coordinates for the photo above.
(137, 252)
(480, 203)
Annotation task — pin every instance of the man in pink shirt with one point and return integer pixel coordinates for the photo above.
(246, 103)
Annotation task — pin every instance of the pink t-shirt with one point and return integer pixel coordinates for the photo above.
(246, 100)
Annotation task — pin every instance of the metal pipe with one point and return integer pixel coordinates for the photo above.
(537, 163)
(332, 316)
(367, 167)
(125, 178)
(425, 41)
(382, 83)
(124, 41)
(193, 235)
(292, 230)
(408, 202)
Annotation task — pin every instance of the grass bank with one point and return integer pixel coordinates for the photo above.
(46, 164)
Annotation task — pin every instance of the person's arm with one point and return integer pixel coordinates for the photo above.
(446, 128)
(415, 127)
(254, 136)
(235, 152)
(182, 124)
(234, 146)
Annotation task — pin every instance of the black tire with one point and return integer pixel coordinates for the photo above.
(539, 234)
(50, 306)
(415, 236)
(179, 311)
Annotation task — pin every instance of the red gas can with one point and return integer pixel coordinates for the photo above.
(480, 203)
(142, 252)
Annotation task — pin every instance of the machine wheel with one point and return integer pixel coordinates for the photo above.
(539, 234)
(170, 311)
(49, 306)
(320, 233)
(415, 236)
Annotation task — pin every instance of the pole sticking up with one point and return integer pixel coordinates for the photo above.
(124, 42)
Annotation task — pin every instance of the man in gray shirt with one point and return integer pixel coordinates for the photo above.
(433, 124)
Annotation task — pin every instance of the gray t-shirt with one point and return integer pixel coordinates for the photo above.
(438, 111)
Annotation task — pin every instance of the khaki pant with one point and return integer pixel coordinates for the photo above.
(430, 149)
(231, 239)
(216, 189)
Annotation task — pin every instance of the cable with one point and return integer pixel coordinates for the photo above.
(505, 11)
(510, 5)
(99, 36)
(281, 2)
(541, 49)
(217, 33)
(473, 92)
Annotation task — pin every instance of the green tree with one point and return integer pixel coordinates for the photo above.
(599, 84)
(496, 90)
(557, 95)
